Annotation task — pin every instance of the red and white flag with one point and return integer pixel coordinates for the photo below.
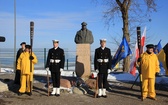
(136, 53)
(133, 60)
(143, 37)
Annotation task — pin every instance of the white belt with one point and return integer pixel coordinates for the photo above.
(102, 60)
(56, 60)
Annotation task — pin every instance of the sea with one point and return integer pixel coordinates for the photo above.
(7, 58)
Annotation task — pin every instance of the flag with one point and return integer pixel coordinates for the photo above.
(133, 60)
(158, 48)
(122, 52)
(143, 38)
(136, 53)
(163, 57)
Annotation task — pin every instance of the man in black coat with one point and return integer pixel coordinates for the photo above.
(102, 65)
(55, 63)
(17, 74)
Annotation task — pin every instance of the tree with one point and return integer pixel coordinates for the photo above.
(128, 11)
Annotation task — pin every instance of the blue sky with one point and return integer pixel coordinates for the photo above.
(61, 19)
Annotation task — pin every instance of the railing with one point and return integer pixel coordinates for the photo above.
(7, 58)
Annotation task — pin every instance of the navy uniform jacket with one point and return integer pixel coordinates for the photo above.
(105, 56)
(55, 54)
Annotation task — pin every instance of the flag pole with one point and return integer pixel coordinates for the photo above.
(139, 48)
(95, 95)
(135, 81)
(14, 63)
(31, 43)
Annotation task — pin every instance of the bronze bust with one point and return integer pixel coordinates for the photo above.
(84, 36)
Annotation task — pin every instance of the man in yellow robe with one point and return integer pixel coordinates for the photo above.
(23, 64)
(149, 68)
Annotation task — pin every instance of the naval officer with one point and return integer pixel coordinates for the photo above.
(102, 65)
(55, 63)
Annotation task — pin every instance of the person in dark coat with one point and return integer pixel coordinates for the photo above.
(102, 65)
(17, 73)
(55, 63)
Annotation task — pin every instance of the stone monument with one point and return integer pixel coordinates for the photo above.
(83, 39)
(83, 60)
(3, 87)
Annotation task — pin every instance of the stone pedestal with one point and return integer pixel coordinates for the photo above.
(91, 83)
(83, 61)
(65, 83)
(3, 87)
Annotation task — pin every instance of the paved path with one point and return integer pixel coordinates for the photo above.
(119, 94)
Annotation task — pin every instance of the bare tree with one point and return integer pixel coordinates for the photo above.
(129, 11)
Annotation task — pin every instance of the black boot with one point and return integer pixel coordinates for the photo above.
(97, 96)
(57, 95)
(19, 94)
(29, 93)
(105, 96)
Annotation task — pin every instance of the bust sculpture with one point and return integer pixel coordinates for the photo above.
(84, 36)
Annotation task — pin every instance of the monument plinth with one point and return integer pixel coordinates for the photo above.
(83, 61)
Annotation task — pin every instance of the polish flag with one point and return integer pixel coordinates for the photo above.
(143, 37)
(134, 59)
(136, 53)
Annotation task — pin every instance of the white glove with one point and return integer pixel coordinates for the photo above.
(51, 60)
(97, 71)
(109, 71)
(106, 60)
(99, 60)
(57, 61)
(47, 69)
(61, 69)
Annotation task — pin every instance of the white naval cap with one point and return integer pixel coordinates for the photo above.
(102, 40)
(55, 41)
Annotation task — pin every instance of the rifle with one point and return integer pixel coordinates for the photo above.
(96, 87)
(48, 83)
(139, 48)
(31, 44)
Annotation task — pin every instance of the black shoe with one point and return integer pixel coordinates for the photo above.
(57, 95)
(29, 93)
(97, 96)
(105, 96)
(19, 94)
(153, 98)
(52, 94)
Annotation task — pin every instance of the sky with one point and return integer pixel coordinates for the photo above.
(61, 19)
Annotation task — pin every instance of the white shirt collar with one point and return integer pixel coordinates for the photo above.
(102, 48)
(55, 48)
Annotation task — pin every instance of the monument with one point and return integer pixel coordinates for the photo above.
(83, 39)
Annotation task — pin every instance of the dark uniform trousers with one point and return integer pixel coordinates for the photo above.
(105, 56)
(55, 79)
(55, 61)
(102, 80)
